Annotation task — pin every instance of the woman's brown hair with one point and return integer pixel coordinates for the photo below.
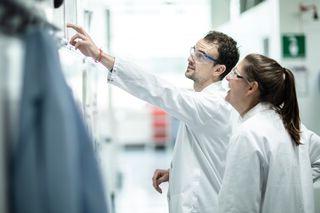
(276, 86)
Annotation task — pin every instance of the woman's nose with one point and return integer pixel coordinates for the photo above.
(228, 78)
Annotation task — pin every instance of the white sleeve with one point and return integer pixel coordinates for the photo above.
(193, 108)
(314, 152)
(243, 177)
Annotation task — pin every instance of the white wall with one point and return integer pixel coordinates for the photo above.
(252, 26)
(310, 105)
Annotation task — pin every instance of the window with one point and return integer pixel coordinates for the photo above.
(247, 4)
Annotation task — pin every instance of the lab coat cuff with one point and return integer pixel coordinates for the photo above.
(113, 72)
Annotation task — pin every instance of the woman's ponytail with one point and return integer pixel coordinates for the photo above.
(290, 108)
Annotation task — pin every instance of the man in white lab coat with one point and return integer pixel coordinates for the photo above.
(199, 155)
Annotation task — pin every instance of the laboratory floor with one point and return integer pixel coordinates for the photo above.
(137, 194)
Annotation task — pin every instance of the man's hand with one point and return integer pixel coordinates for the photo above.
(82, 41)
(159, 177)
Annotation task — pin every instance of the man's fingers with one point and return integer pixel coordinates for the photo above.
(78, 44)
(162, 179)
(77, 36)
(155, 175)
(159, 190)
(154, 184)
(154, 180)
(159, 177)
(157, 187)
(76, 28)
(157, 182)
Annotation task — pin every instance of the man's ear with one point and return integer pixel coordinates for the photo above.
(220, 69)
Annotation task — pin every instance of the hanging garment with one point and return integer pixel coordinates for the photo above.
(11, 66)
(53, 167)
(266, 172)
(199, 155)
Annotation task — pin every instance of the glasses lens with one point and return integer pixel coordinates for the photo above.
(198, 56)
(233, 74)
(192, 51)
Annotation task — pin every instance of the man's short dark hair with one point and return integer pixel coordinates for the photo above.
(227, 49)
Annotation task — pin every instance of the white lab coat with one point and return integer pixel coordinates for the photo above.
(265, 171)
(312, 140)
(199, 156)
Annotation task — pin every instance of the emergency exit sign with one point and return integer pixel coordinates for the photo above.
(293, 46)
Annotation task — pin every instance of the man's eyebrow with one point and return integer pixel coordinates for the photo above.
(202, 51)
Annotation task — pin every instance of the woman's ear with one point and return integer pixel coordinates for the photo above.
(254, 87)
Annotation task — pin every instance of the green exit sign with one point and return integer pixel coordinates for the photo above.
(293, 46)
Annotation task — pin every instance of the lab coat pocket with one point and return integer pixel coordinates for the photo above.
(184, 202)
(187, 199)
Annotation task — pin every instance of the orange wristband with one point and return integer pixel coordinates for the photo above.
(99, 58)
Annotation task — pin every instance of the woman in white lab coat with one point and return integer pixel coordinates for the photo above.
(268, 165)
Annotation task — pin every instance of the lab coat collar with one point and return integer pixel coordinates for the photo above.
(255, 110)
(213, 87)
